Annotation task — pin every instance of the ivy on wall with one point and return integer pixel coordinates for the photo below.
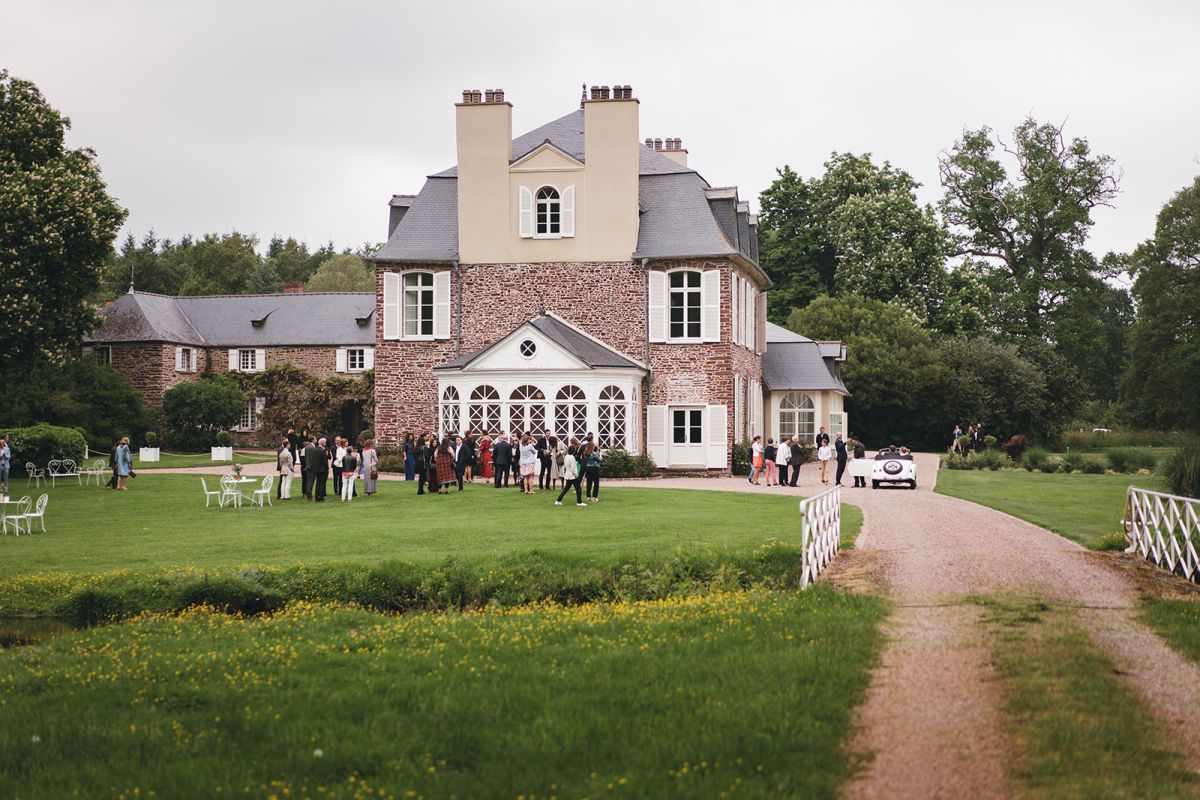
(295, 398)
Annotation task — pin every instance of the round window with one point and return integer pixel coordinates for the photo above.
(528, 348)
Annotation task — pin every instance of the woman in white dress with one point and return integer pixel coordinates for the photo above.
(285, 467)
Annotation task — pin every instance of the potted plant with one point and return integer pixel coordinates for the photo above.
(150, 451)
(224, 449)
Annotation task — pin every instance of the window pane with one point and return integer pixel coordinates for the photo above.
(693, 279)
(677, 279)
(693, 330)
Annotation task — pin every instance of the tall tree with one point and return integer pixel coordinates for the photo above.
(1161, 383)
(1089, 329)
(893, 371)
(288, 259)
(57, 228)
(344, 273)
(856, 229)
(221, 264)
(1030, 232)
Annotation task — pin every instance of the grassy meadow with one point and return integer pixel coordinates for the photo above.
(747, 694)
(1083, 508)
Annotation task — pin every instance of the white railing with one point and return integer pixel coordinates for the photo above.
(820, 532)
(1164, 529)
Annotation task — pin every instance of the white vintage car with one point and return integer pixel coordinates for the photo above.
(893, 466)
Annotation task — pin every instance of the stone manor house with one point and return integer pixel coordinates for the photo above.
(575, 278)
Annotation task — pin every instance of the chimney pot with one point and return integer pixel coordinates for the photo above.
(489, 95)
(650, 143)
(604, 93)
(466, 95)
(658, 144)
(595, 92)
(499, 95)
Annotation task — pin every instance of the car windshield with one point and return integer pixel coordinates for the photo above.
(884, 455)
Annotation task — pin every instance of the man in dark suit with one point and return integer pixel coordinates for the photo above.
(462, 457)
(305, 460)
(318, 469)
(515, 467)
(543, 452)
(797, 457)
(501, 459)
(839, 446)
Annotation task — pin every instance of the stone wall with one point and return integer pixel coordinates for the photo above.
(321, 361)
(149, 367)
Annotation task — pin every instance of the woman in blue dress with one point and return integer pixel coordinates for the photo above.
(410, 457)
(124, 463)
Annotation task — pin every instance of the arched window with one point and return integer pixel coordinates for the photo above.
(685, 304)
(614, 418)
(796, 414)
(548, 212)
(483, 413)
(570, 413)
(451, 416)
(527, 410)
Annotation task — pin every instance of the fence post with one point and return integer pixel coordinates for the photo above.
(820, 532)
(1165, 530)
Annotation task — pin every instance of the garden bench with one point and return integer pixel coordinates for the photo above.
(64, 468)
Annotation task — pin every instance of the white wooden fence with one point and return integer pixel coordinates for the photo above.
(820, 532)
(1165, 529)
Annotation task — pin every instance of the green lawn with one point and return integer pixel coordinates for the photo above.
(748, 694)
(1177, 621)
(148, 547)
(1078, 730)
(1080, 507)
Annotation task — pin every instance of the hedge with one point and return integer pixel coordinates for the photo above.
(43, 443)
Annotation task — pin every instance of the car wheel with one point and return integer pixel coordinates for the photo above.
(912, 484)
(874, 484)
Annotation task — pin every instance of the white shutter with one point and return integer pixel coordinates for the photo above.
(568, 211)
(340, 360)
(441, 305)
(760, 317)
(718, 433)
(733, 294)
(738, 428)
(369, 358)
(179, 367)
(260, 360)
(391, 305)
(526, 215)
(259, 404)
(747, 296)
(710, 315)
(233, 361)
(656, 434)
(757, 400)
(192, 367)
(658, 307)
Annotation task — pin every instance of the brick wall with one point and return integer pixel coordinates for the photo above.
(321, 361)
(149, 367)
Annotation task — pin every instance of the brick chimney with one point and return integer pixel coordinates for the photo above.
(293, 287)
(483, 122)
(672, 148)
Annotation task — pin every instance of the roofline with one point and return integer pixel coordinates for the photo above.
(737, 258)
(451, 262)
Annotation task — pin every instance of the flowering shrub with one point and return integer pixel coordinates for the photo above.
(1016, 446)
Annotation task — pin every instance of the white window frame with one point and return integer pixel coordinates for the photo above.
(249, 364)
(405, 319)
(251, 419)
(185, 360)
(104, 355)
(801, 416)
(553, 205)
(686, 290)
(354, 354)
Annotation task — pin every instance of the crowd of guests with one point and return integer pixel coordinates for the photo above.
(439, 466)
(773, 460)
(975, 435)
(315, 457)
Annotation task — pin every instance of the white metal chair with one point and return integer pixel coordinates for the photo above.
(96, 469)
(264, 492)
(38, 513)
(34, 473)
(22, 513)
(209, 494)
(64, 468)
(230, 492)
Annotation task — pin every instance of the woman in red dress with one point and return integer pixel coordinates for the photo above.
(485, 456)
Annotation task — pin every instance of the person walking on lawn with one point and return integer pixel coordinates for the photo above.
(592, 459)
(349, 470)
(124, 464)
(570, 474)
(860, 451)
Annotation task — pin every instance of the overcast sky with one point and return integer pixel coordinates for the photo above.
(302, 118)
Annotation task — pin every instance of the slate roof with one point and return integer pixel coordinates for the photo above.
(792, 361)
(677, 218)
(591, 351)
(321, 318)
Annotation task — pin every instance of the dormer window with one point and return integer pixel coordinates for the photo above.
(549, 212)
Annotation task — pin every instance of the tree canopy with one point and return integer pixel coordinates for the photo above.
(57, 227)
(1027, 234)
(1161, 383)
(344, 273)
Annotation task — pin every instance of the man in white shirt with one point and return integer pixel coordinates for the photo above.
(337, 465)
